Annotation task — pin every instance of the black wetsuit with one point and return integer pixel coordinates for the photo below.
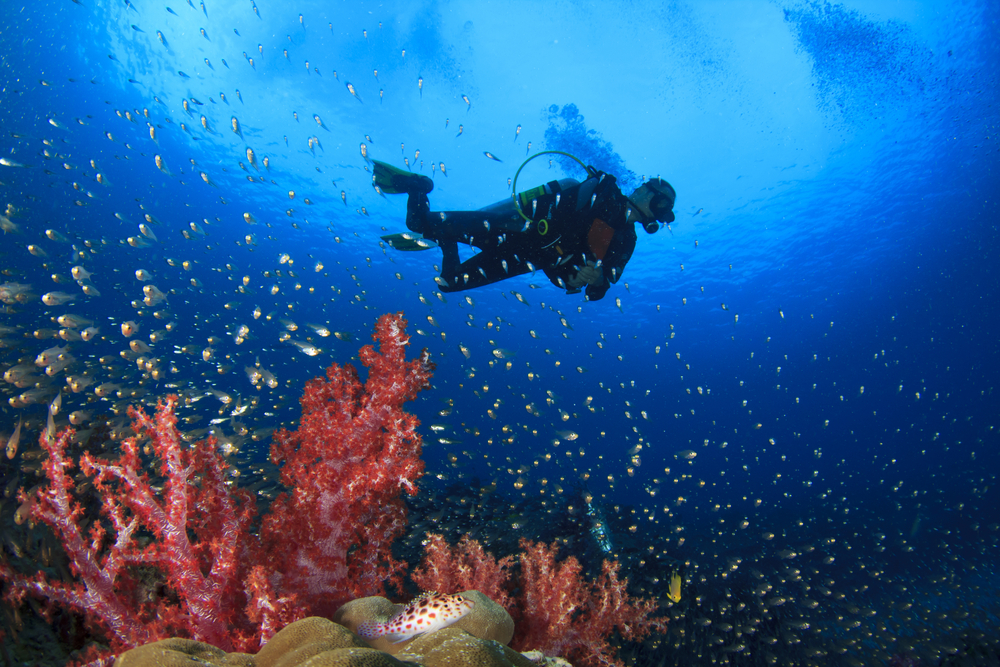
(582, 222)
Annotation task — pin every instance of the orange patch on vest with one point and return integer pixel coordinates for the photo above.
(599, 237)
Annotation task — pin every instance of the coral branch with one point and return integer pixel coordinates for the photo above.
(557, 611)
(199, 526)
(217, 525)
(551, 595)
(265, 610)
(560, 613)
(355, 451)
(463, 567)
(95, 593)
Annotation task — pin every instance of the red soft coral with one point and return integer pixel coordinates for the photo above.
(557, 611)
(199, 525)
(330, 538)
(463, 567)
(561, 613)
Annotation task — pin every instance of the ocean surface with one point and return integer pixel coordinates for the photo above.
(789, 397)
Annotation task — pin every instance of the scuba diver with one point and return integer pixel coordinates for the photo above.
(581, 235)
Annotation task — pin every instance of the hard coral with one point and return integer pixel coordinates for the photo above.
(317, 642)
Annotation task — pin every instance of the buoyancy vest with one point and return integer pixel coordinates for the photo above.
(578, 219)
(599, 237)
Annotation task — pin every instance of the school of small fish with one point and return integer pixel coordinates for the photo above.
(187, 242)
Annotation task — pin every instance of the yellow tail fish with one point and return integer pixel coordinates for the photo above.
(674, 592)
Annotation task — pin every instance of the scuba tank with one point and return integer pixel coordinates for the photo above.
(504, 214)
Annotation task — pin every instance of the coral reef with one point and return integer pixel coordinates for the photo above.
(450, 569)
(319, 642)
(561, 613)
(171, 553)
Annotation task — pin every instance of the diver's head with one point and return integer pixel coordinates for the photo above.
(653, 202)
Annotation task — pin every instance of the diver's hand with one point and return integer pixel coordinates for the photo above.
(588, 275)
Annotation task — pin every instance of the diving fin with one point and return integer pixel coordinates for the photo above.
(393, 180)
(409, 241)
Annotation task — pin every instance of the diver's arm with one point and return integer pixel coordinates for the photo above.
(613, 264)
(558, 277)
(590, 274)
(596, 292)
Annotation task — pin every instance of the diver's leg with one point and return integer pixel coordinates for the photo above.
(449, 258)
(485, 268)
(417, 209)
(464, 225)
(392, 180)
(499, 247)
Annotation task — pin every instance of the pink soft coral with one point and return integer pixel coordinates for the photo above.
(463, 567)
(561, 613)
(199, 525)
(557, 611)
(329, 539)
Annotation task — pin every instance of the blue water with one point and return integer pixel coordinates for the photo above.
(829, 283)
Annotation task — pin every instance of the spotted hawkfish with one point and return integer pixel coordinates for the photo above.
(427, 612)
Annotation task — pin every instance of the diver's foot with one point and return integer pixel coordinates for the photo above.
(393, 181)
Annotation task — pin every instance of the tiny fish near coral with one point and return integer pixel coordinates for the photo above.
(326, 540)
